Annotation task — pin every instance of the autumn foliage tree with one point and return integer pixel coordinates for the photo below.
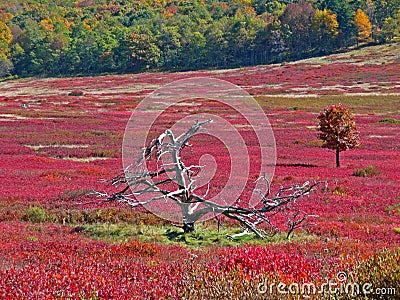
(363, 25)
(5, 39)
(325, 28)
(5, 43)
(298, 18)
(338, 129)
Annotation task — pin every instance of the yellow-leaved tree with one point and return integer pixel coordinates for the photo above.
(363, 25)
(325, 28)
(5, 42)
(327, 20)
(5, 39)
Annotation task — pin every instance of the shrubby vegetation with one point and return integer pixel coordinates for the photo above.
(54, 38)
(368, 171)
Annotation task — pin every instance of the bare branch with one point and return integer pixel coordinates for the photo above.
(170, 179)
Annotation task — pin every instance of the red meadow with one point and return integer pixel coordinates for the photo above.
(59, 138)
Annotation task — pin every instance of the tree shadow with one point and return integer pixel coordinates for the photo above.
(297, 165)
(173, 235)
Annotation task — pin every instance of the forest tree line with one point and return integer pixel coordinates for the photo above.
(85, 37)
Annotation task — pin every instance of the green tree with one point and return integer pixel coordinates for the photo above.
(194, 50)
(169, 45)
(83, 52)
(5, 39)
(390, 28)
(386, 20)
(37, 55)
(345, 16)
(325, 30)
(217, 45)
(384, 9)
(271, 6)
(6, 66)
(107, 42)
(142, 50)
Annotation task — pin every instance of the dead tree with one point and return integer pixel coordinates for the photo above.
(169, 179)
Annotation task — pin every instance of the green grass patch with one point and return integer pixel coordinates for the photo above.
(313, 104)
(389, 121)
(114, 225)
(204, 236)
(109, 232)
(368, 171)
(12, 210)
(35, 214)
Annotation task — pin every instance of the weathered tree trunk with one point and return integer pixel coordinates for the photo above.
(188, 227)
(337, 158)
(188, 222)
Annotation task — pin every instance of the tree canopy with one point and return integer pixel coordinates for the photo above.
(338, 129)
(84, 37)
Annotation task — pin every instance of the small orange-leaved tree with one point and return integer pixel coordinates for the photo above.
(338, 129)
